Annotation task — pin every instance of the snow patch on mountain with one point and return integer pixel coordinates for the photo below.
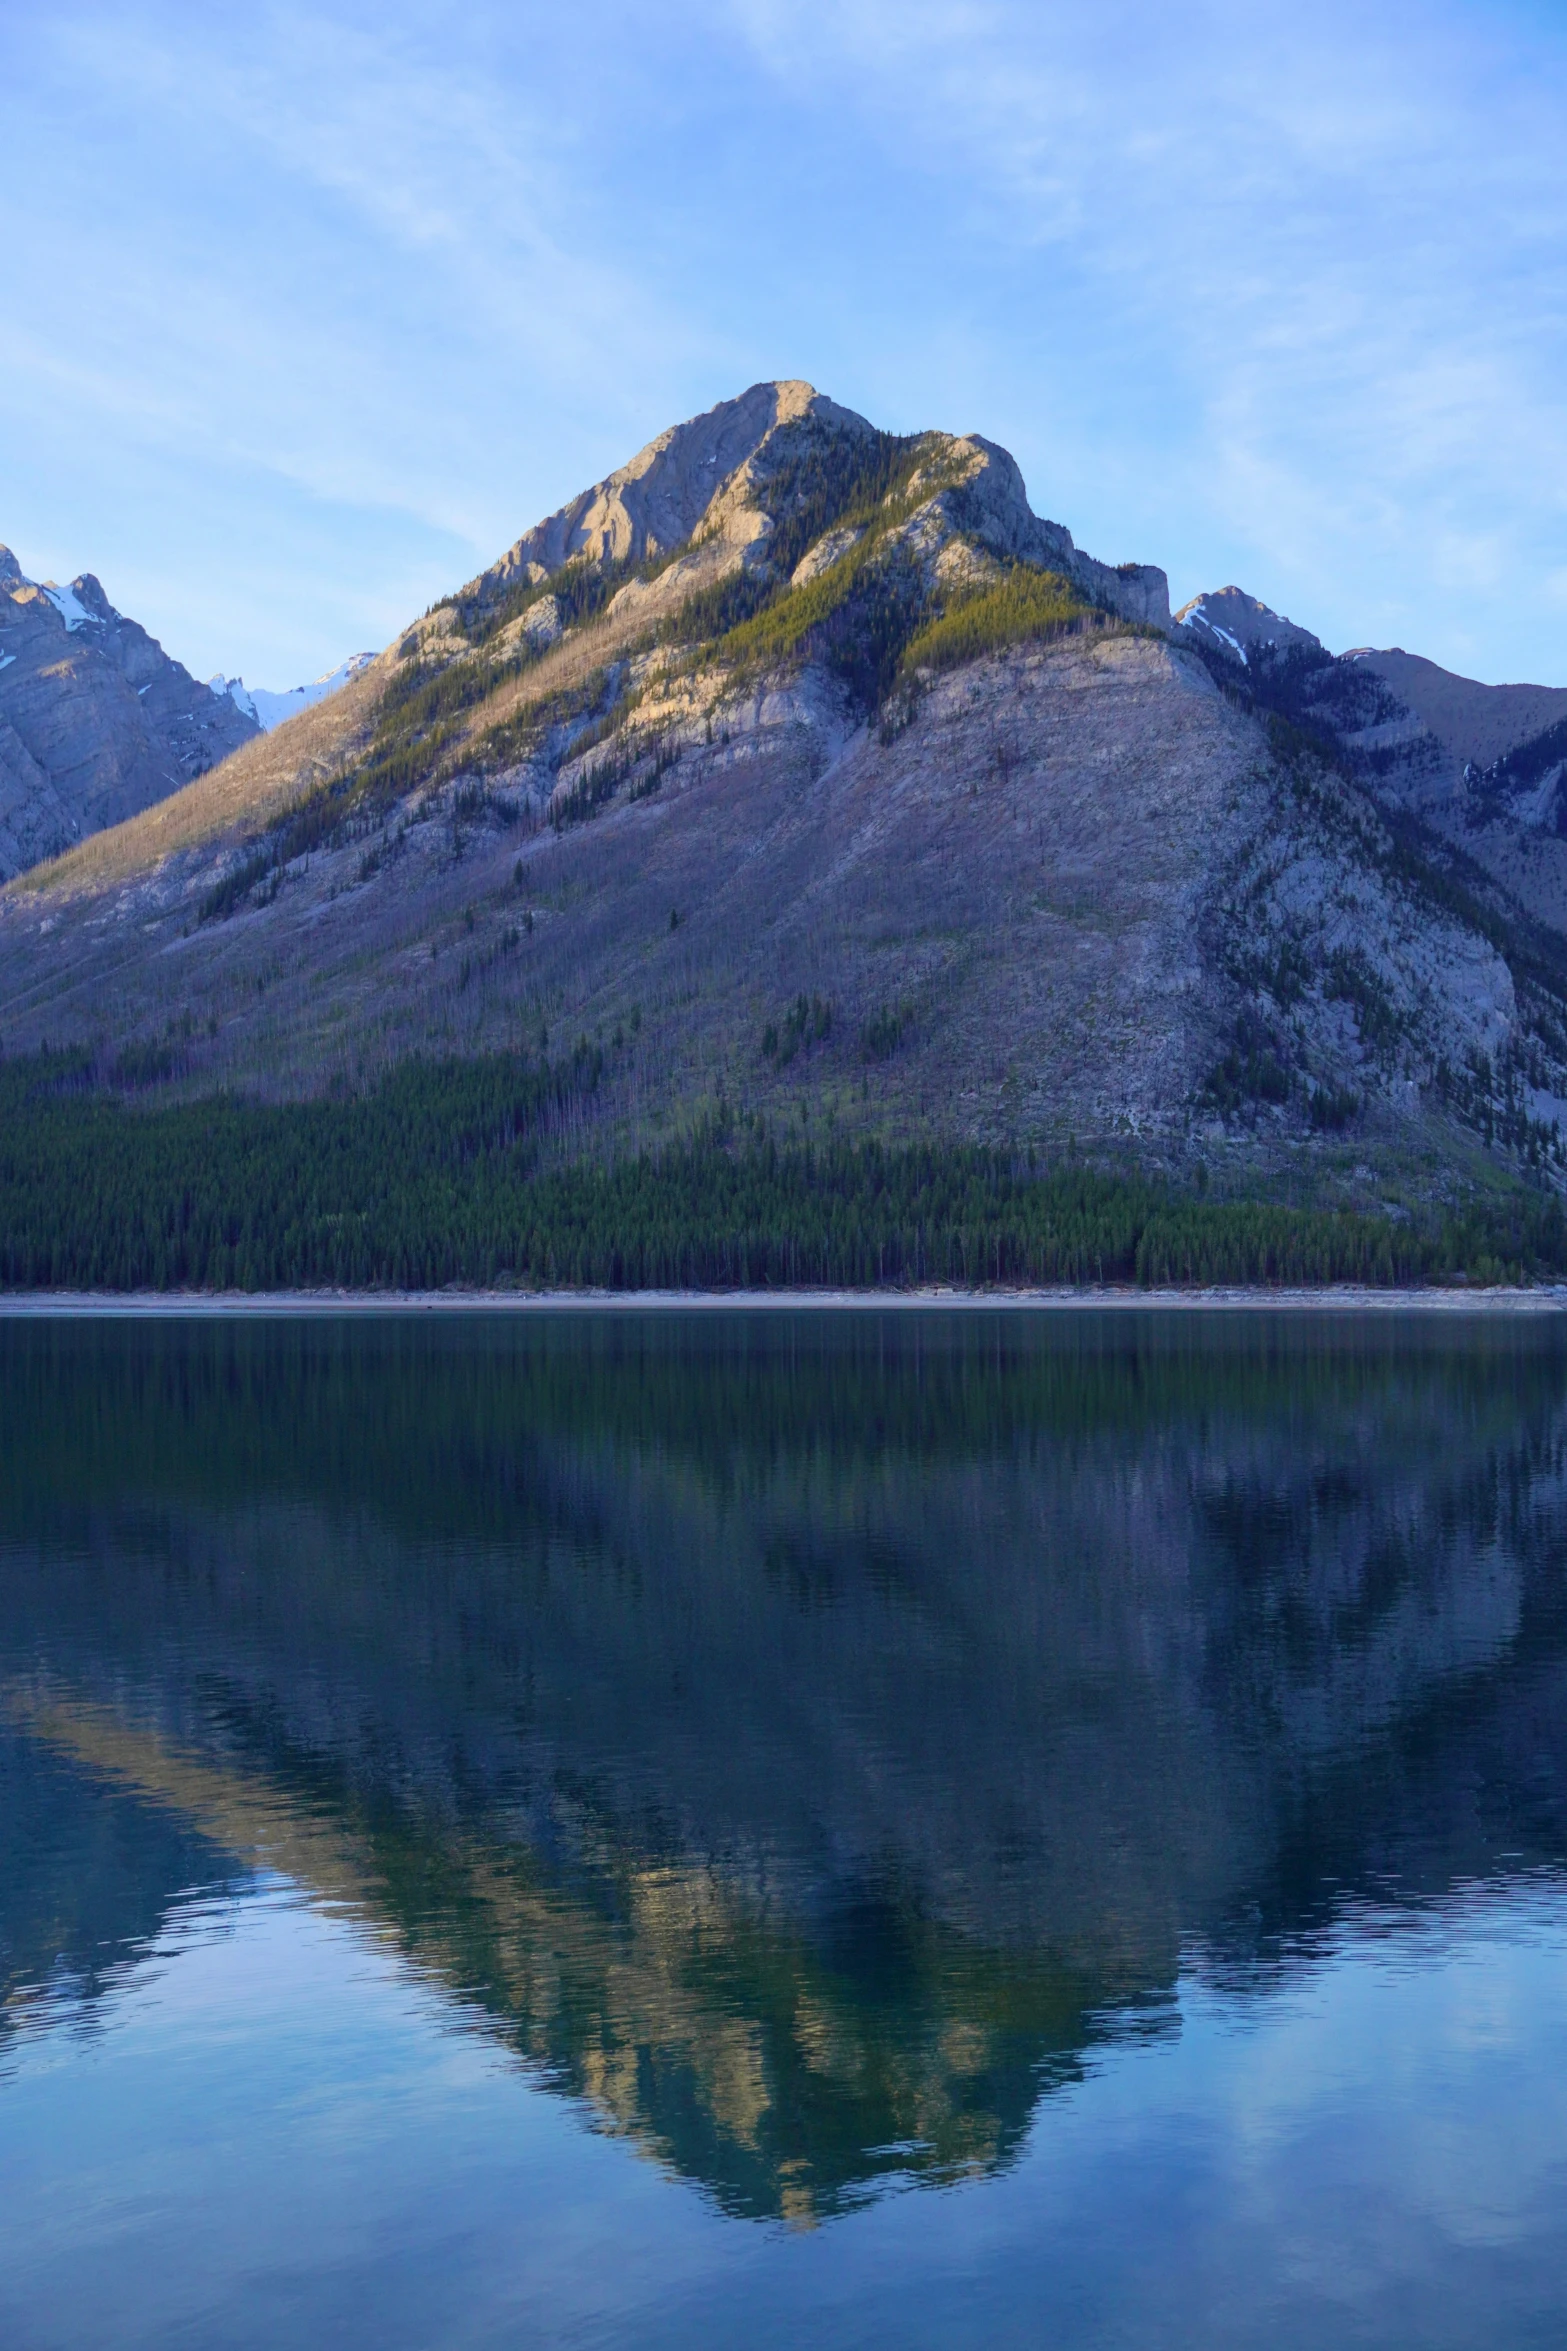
(1240, 623)
(238, 694)
(71, 609)
(96, 721)
(270, 709)
(1201, 620)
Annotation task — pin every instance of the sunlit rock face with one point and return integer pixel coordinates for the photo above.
(804, 1747)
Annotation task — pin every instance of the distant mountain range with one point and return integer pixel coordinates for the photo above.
(1486, 765)
(269, 710)
(817, 778)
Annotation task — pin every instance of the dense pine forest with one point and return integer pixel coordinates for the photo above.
(443, 1175)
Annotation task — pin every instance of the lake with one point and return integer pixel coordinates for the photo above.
(848, 1828)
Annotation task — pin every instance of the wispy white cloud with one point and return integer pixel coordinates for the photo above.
(360, 224)
(1280, 299)
(1336, 238)
(323, 253)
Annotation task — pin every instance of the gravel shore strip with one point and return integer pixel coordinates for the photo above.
(1544, 1299)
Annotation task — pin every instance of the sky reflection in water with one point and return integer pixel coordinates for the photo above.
(883, 1829)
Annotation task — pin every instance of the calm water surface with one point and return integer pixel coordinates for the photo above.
(854, 1830)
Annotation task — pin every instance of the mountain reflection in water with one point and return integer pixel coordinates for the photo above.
(801, 1740)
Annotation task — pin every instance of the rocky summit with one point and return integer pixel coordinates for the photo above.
(96, 722)
(805, 772)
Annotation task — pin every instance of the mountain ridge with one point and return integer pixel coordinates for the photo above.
(269, 708)
(96, 721)
(811, 772)
(1485, 767)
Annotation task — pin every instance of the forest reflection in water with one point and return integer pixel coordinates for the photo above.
(804, 1741)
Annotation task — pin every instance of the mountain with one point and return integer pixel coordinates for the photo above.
(96, 722)
(1237, 626)
(1485, 767)
(1466, 753)
(270, 710)
(807, 771)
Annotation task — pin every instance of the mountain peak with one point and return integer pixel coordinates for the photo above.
(96, 721)
(1236, 624)
(82, 601)
(657, 499)
(717, 486)
(741, 752)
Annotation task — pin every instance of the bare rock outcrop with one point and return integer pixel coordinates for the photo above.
(96, 722)
(711, 480)
(659, 498)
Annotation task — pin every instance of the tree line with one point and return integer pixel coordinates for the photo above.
(442, 1174)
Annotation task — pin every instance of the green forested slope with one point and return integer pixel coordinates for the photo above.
(434, 1178)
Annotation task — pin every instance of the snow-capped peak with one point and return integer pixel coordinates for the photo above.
(69, 606)
(269, 709)
(1194, 617)
(1239, 623)
(235, 690)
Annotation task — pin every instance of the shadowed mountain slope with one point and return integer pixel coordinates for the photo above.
(96, 721)
(1484, 766)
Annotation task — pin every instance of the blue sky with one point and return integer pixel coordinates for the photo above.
(306, 312)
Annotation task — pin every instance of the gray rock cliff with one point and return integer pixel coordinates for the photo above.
(708, 482)
(96, 721)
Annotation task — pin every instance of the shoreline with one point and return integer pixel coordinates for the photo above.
(23, 1305)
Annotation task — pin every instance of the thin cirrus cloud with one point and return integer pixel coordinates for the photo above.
(292, 329)
(304, 317)
(1330, 251)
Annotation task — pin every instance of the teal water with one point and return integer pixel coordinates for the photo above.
(854, 1830)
